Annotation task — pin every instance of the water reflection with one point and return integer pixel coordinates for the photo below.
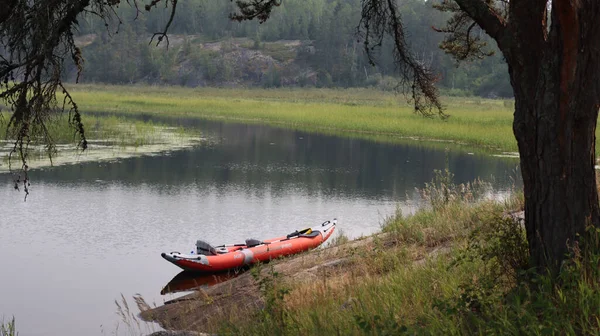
(260, 158)
(188, 281)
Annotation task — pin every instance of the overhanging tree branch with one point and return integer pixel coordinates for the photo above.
(462, 40)
(489, 18)
(380, 20)
(163, 34)
(35, 39)
(254, 9)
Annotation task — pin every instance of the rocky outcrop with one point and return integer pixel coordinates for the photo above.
(228, 63)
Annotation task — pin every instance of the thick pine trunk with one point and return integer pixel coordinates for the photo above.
(556, 110)
(557, 164)
(554, 67)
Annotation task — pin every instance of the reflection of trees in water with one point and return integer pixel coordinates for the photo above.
(259, 157)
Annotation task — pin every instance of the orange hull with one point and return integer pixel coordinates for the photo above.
(238, 256)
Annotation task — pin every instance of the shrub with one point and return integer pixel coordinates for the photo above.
(509, 298)
(442, 190)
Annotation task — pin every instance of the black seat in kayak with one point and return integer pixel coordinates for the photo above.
(205, 248)
(253, 242)
(309, 235)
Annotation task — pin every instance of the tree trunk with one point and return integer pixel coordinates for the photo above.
(7, 9)
(559, 178)
(556, 110)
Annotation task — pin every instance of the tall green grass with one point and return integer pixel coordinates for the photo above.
(386, 293)
(482, 285)
(8, 328)
(380, 115)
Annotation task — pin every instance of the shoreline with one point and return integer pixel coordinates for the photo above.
(481, 125)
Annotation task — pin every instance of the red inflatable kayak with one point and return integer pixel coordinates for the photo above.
(209, 259)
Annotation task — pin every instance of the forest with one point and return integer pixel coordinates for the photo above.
(305, 43)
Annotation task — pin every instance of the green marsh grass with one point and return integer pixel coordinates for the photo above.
(480, 123)
(118, 130)
(107, 136)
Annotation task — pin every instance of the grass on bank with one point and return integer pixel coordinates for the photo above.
(456, 268)
(370, 113)
(114, 130)
(108, 137)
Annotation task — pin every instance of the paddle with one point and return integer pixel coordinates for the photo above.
(256, 242)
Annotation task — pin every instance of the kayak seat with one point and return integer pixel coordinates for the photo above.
(205, 248)
(253, 242)
(221, 250)
(309, 235)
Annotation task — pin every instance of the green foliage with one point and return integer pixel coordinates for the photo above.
(533, 304)
(279, 52)
(328, 47)
(257, 45)
(378, 325)
(442, 190)
(272, 78)
(273, 292)
(8, 328)
(509, 104)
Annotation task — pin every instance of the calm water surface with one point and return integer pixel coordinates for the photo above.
(91, 232)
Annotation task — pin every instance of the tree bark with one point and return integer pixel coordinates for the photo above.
(557, 165)
(6, 9)
(555, 81)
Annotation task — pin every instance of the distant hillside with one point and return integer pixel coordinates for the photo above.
(230, 62)
(304, 43)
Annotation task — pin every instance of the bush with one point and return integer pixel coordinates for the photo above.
(442, 190)
(456, 93)
(509, 298)
(324, 79)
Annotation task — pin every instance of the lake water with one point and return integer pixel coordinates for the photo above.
(89, 233)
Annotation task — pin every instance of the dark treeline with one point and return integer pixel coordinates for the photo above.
(328, 52)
